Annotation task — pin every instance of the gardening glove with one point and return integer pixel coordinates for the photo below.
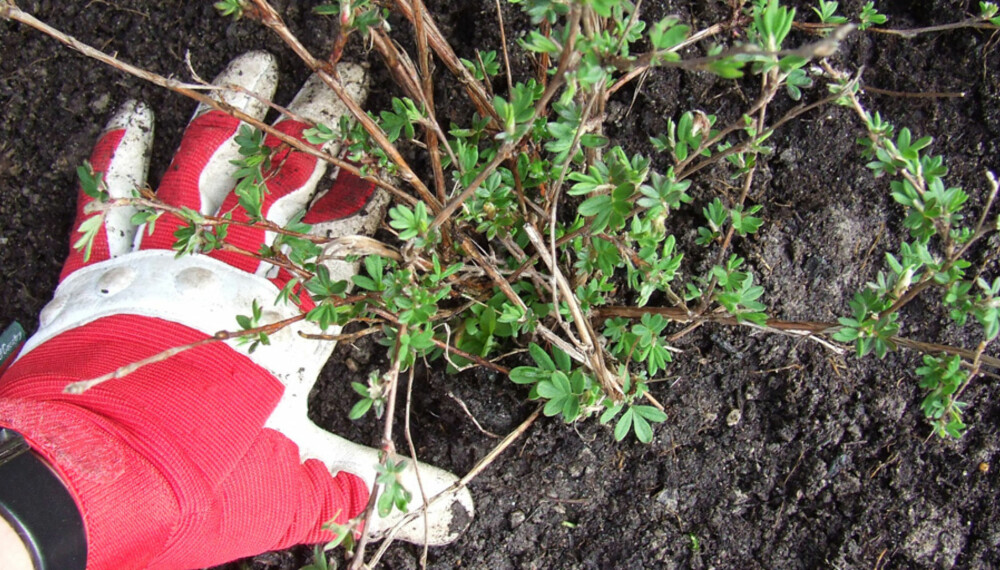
(208, 455)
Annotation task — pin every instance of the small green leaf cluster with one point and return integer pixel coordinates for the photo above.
(92, 184)
(943, 378)
(572, 394)
(320, 134)
(716, 214)
(827, 13)
(493, 206)
(195, 236)
(146, 217)
(871, 327)
(743, 158)
(567, 131)
(658, 261)
(643, 342)
(567, 392)
(252, 321)
(612, 185)
(543, 10)
(293, 243)
(870, 16)
(517, 115)
(252, 170)
(413, 224)
(343, 534)
(393, 495)
(638, 418)
(771, 24)
(488, 328)
(355, 15)
(736, 291)
(327, 294)
(983, 305)
(665, 35)
(413, 297)
(687, 135)
(485, 67)
(360, 148)
(988, 11)
(234, 8)
(373, 396)
(400, 120)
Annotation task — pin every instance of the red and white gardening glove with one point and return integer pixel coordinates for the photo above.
(206, 456)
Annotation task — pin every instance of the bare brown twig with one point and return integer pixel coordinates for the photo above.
(328, 73)
(82, 386)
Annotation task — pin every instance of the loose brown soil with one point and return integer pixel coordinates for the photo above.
(830, 463)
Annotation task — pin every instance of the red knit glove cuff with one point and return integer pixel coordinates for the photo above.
(171, 466)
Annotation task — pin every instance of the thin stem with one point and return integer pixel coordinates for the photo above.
(503, 46)
(388, 448)
(976, 23)
(82, 386)
(475, 89)
(812, 327)
(507, 149)
(416, 464)
(328, 73)
(480, 466)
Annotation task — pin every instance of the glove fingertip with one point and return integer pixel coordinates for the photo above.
(126, 171)
(253, 72)
(131, 113)
(317, 103)
(129, 164)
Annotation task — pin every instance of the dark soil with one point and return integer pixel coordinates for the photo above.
(830, 463)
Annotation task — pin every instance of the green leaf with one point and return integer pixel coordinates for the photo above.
(556, 386)
(541, 358)
(666, 34)
(654, 415)
(360, 409)
(92, 183)
(537, 42)
(643, 431)
(611, 412)
(562, 360)
(624, 424)
(89, 229)
(232, 8)
(528, 375)
(400, 120)
(320, 134)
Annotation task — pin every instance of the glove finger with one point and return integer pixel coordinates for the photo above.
(294, 175)
(274, 502)
(121, 158)
(446, 518)
(201, 173)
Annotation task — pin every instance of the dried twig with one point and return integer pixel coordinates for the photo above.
(328, 73)
(391, 380)
(82, 386)
(480, 466)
